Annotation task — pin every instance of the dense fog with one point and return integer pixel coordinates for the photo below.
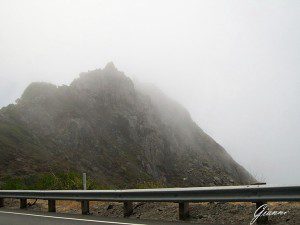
(233, 64)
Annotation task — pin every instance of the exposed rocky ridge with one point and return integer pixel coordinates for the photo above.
(118, 132)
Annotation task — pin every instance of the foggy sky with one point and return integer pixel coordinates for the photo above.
(233, 64)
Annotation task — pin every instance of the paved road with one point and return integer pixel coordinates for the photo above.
(24, 217)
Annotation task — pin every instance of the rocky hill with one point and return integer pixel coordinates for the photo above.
(119, 132)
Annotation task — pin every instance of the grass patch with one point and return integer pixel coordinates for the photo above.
(47, 181)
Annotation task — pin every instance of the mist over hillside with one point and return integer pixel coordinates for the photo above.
(119, 132)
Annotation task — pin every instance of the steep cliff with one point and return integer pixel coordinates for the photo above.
(119, 132)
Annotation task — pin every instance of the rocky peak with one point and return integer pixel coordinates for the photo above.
(37, 91)
(101, 79)
(118, 133)
(110, 67)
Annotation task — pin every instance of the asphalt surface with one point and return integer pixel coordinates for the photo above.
(25, 217)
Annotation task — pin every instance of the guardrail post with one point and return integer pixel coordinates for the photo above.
(184, 210)
(261, 219)
(85, 207)
(1, 202)
(84, 181)
(23, 203)
(51, 205)
(127, 209)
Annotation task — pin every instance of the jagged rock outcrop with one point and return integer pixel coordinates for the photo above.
(119, 132)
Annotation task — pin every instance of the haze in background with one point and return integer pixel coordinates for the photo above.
(233, 64)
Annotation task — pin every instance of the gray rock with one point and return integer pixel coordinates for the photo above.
(116, 131)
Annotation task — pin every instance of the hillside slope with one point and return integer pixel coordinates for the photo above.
(119, 133)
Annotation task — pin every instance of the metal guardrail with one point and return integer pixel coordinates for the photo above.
(202, 194)
(250, 193)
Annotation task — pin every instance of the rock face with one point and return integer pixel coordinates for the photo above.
(119, 132)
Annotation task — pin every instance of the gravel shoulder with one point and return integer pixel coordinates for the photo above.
(206, 213)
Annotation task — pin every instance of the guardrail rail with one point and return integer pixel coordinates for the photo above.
(259, 194)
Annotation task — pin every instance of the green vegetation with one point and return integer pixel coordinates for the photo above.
(47, 181)
(62, 181)
(150, 184)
